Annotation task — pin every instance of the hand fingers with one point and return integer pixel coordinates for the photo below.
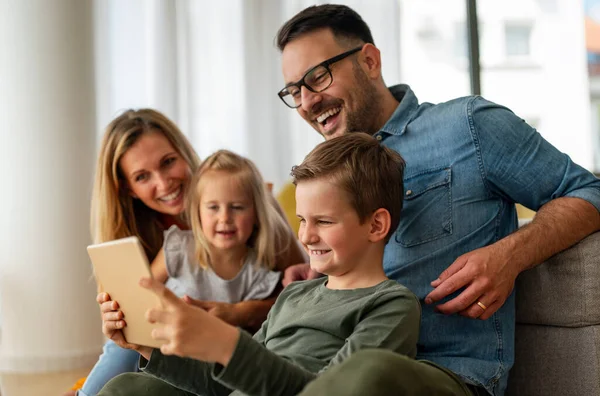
(197, 303)
(478, 308)
(286, 280)
(112, 316)
(461, 302)
(491, 309)
(112, 326)
(161, 334)
(157, 315)
(448, 286)
(295, 272)
(109, 306)
(167, 349)
(456, 266)
(160, 290)
(102, 297)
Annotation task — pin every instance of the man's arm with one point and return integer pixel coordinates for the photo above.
(492, 270)
(518, 165)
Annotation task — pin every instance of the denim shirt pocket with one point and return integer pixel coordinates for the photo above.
(427, 212)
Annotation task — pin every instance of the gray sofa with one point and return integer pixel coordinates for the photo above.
(558, 325)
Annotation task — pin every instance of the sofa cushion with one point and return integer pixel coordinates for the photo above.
(563, 291)
(552, 361)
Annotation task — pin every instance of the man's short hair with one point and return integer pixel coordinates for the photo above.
(345, 23)
(369, 173)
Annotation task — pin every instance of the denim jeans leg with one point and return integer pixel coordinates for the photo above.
(113, 361)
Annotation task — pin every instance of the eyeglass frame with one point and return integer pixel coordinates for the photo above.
(326, 64)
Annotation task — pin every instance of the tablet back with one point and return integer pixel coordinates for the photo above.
(118, 267)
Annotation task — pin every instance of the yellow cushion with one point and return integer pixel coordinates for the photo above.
(287, 201)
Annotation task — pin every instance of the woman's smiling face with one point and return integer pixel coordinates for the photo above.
(156, 173)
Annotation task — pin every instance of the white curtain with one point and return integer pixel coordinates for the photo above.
(213, 68)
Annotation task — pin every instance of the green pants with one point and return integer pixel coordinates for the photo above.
(374, 372)
(378, 372)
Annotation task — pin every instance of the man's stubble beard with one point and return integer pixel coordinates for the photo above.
(364, 118)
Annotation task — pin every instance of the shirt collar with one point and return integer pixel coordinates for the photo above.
(405, 111)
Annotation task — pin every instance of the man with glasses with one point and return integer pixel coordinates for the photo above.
(457, 246)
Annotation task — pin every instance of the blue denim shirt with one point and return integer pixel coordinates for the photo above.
(468, 161)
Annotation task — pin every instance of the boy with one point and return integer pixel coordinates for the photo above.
(349, 196)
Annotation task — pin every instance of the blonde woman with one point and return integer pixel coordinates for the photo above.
(143, 172)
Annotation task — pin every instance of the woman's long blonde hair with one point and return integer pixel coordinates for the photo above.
(270, 230)
(114, 213)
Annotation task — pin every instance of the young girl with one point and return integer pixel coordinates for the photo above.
(143, 172)
(229, 254)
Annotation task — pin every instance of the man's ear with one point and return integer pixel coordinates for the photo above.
(380, 225)
(371, 61)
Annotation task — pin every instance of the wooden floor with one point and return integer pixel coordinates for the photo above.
(54, 384)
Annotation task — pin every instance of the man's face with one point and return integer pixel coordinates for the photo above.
(349, 104)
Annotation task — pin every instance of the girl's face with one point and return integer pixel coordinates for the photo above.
(227, 211)
(156, 174)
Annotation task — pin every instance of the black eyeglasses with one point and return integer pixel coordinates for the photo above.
(317, 79)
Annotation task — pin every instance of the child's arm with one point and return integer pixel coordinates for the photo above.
(159, 267)
(241, 362)
(253, 370)
(248, 315)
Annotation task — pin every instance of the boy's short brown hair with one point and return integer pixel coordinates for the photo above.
(369, 173)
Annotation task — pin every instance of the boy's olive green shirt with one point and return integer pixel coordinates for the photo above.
(309, 328)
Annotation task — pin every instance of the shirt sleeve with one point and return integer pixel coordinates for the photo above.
(256, 371)
(253, 370)
(176, 248)
(518, 164)
(391, 322)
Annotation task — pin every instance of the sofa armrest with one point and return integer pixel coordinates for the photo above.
(563, 291)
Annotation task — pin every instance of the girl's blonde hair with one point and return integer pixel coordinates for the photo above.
(114, 213)
(270, 230)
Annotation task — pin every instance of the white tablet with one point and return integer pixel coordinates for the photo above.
(118, 267)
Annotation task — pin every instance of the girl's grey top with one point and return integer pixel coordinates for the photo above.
(253, 282)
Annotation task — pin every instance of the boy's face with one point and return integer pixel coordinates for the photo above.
(330, 230)
(349, 104)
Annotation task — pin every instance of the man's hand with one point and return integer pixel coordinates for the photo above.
(487, 277)
(299, 272)
(224, 311)
(113, 324)
(189, 331)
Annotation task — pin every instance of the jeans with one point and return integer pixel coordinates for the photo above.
(113, 361)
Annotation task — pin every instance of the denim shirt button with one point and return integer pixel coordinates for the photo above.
(408, 192)
(378, 137)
